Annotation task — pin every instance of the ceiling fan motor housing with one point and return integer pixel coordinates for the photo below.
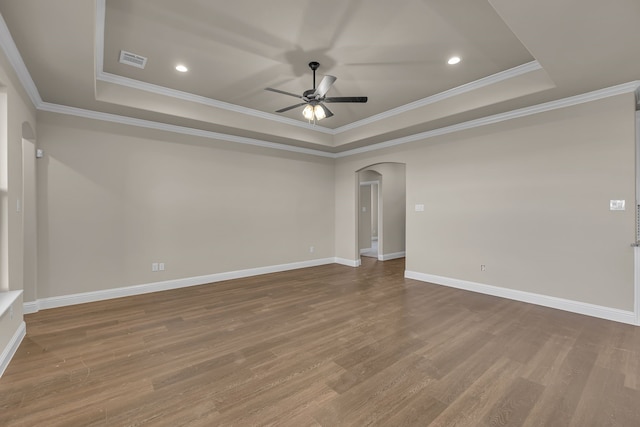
(308, 94)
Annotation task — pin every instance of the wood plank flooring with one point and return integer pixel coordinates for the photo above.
(323, 346)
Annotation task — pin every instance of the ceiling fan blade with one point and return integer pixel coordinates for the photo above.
(346, 99)
(327, 112)
(282, 110)
(282, 92)
(324, 86)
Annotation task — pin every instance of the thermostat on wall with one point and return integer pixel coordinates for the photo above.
(616, 205)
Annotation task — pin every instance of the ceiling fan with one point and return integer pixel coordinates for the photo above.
(315, 98)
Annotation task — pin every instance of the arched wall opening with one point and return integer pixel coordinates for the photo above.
(381, 213)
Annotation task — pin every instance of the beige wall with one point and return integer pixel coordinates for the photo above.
(29, 217)
(529, 198)
(372, 176)
(16, 110)
(364, 224)
(374, 210)
(112, 199)
(393, 200)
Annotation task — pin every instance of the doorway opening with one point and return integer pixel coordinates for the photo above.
(381, 216)
(369, 221)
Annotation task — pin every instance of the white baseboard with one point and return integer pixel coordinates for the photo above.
(593, 310)
(348, 262)
(12, 347)
(363, 250)
(81, 298)
(30, 307)
(386, 257)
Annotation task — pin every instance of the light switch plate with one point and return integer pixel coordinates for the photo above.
(616, 205)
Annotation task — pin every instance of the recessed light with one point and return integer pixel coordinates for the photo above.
(182, 68)
(453, 60)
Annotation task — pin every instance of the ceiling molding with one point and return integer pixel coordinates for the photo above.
(173, 93)
(510, 115)
(497, 118)
(186, 96)
(450, 93)
(114, 118)
(160, 90)
(15, 59)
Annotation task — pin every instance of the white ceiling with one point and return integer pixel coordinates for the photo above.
(515, 53)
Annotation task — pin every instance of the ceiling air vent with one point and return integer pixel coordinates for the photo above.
(132, 59)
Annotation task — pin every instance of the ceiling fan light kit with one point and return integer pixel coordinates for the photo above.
(314, 99)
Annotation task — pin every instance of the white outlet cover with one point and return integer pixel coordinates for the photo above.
(420, 208)
(616, 205)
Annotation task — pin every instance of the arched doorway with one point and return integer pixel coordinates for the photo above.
(381, 219)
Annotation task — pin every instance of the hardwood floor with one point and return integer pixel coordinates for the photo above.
(323, 346)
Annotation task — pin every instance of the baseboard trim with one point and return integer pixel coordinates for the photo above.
(395, 255)
(12, 347)
(364, 250)
(85, 297)
(30, 307)
(587, 309)
(348, 262)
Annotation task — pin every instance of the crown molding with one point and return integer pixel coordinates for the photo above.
(178, 94)
(114, 118)
(136, 84)
(15, 59)
(203, 100)
(459, 90)
(522, 112)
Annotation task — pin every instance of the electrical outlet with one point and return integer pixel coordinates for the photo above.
(161, 266)
(483, 267)
(311, 249)
(154, 266)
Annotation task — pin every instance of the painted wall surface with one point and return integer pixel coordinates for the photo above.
(372, 176)
(15, 111)
(113, 199)
(364, 232)
(29, 218)
(527, 197)
(393, 199)
(374, 211)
